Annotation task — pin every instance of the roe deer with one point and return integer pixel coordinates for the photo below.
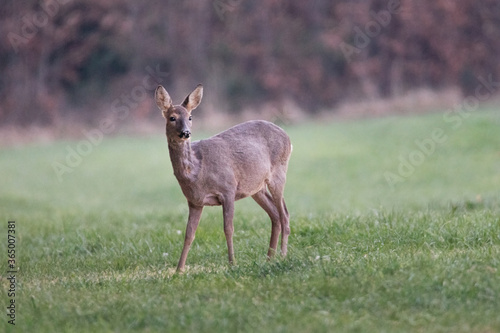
(250, 159)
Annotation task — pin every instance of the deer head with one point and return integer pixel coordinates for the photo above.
(178, 117)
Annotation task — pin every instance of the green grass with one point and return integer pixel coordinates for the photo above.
(97, 251)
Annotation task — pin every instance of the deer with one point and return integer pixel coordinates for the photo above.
(249, 159)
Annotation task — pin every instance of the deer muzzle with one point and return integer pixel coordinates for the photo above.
(185, 134)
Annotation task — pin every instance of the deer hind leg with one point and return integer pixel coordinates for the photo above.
(277, 187)
(264, 199)
(285, 227)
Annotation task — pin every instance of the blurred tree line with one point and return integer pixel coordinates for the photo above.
(73, 59)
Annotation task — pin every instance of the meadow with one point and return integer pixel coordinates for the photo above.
(395, 227)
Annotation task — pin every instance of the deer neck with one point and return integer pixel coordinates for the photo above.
(184, 161)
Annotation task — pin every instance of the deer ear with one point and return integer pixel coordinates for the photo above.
(193, 99)
(163, 100)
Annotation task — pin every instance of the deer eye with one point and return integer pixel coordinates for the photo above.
(190, 118)
(172, 119)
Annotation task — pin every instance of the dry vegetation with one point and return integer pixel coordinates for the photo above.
(74, 61)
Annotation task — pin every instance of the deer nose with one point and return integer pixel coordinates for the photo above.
(185, 134)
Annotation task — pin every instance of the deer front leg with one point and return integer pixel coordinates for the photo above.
(192, 225)
(228, 212)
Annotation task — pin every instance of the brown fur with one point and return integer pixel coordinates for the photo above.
(249, 159)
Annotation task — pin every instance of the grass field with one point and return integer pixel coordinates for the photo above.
(390, 233)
